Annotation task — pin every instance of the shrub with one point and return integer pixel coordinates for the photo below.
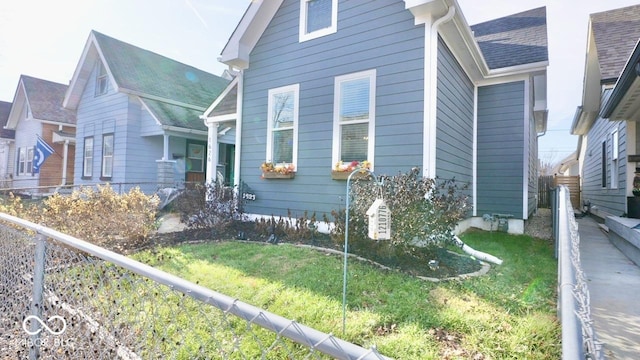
(100, 215)
(424, 211)
(298, 229)
(209, 206)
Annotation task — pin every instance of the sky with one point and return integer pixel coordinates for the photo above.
(44, 39)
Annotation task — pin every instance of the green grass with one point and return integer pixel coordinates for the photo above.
(508, 313)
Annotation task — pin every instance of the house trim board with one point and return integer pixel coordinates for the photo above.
(527, 149)
(220, 97)
(474, 170)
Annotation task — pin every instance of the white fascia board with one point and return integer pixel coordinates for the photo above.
(220, 97)
(146, 108)
(248, 32)
(220, 119)
(80, 77)
(19, 100)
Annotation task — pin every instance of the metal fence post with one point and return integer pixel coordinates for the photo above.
(37, 298)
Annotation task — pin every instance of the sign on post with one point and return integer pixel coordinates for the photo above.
(379, 221)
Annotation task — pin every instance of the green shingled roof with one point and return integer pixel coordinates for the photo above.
(174, 115)
(151, 75)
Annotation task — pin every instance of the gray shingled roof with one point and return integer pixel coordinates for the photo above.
(616, 33)
(5, 109)
(174, 115)
(45, 100)
(514, 40)
(148, 73)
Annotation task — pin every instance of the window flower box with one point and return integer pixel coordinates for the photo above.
(341, 170)
(344, 175)
(276, 175)
(277, 171)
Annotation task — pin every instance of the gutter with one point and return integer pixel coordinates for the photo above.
(183, 130)
(629, 74)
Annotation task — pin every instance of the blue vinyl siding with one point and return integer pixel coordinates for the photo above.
(605, 200)
(135, 155)
(501, 144)
(97, 115)
(454, 137)
(376, 35)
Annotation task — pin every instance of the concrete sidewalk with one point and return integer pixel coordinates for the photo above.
(614, 286)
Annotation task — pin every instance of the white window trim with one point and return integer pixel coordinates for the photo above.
(193, 159)
(87, 161)
(614, 159)
(108, 158)
(296, 93)
(371, 74)
(304, 36)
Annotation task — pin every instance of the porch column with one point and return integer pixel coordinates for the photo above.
(165, 150)
(212, 152)
(64, 162)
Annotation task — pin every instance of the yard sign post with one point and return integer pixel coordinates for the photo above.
(387, 222)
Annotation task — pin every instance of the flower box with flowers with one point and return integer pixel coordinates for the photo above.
(342, 170)
(277, 171)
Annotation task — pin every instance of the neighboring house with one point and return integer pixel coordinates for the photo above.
(7, 137)
(606, 119)
(568, 166)
(37, 111)
(400, 84)
(138, 116)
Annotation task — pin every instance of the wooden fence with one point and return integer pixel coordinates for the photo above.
(545, 183)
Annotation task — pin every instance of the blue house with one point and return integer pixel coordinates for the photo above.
(138, 116)
(608, 145)
(398, 84)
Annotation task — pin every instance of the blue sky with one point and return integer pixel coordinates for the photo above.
(44, 39)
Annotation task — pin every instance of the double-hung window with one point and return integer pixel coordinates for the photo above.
(25, 160)
(87, 162)
(603, 170)
(282, 127)
(107, 156)
(317, 18)
(614, 159)
(354, 117)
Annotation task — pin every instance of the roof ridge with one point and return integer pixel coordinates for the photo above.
(111, 38)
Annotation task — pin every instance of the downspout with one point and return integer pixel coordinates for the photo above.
(431, 86)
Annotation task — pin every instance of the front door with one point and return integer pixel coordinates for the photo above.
(196, 161)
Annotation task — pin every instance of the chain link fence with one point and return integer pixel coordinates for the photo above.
(63, 298)
(579, 339)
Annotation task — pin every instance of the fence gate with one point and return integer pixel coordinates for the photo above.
(546, 182)
(573, 183)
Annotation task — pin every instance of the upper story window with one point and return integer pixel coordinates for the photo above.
(101, 80)
(318, 18)
(282, 128)
(354, 117)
